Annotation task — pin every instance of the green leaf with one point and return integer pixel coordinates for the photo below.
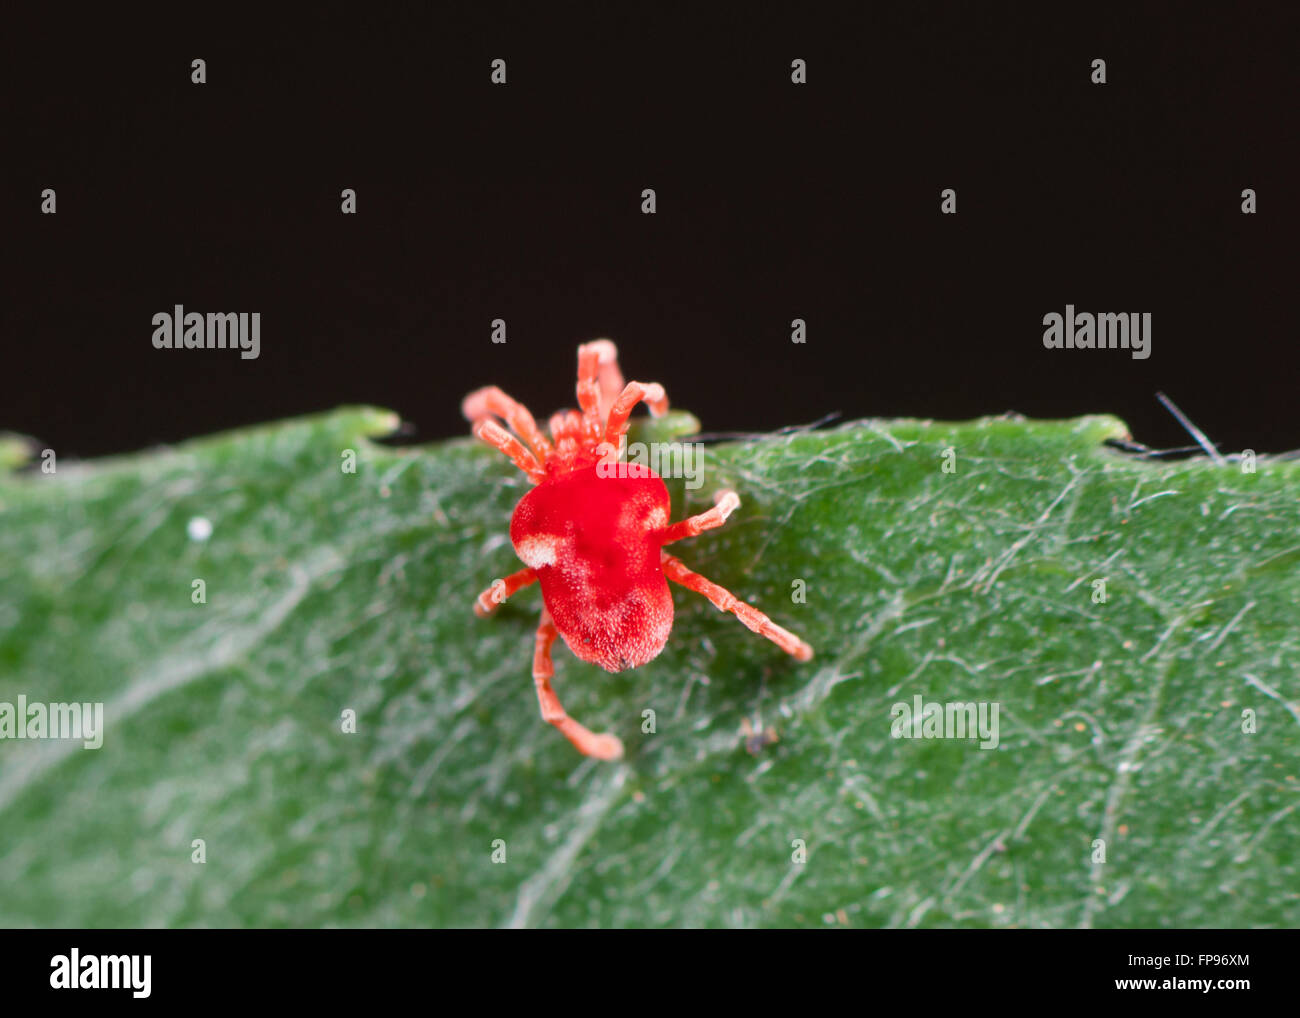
(1120, 720)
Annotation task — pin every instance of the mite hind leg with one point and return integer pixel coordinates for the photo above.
(588, 743)
(725, 600)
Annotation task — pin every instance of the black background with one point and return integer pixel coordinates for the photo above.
(775, 201)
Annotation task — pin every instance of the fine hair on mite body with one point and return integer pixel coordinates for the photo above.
(595, 542)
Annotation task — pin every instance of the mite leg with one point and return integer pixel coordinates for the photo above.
(611, 381)
(724, 504)
(603, 747)
(724, 599)
(632, 394)
(567, 432)
(599, 382)
(486, 603)
(492, 402)
(496, 436)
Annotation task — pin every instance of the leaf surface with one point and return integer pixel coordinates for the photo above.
(1120, 721)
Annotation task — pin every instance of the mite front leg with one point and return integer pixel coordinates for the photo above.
(493, 434)
(488, 601)
(725, 600)
(603, 747)
(632, 394)
(599, 383)
(724, 504)
(567, 432)
(492, 402)
(611, 378)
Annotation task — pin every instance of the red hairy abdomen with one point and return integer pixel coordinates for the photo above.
(593, 542)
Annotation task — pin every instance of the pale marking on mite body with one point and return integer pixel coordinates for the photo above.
(604, 578)
(537, 551)
(637, 514)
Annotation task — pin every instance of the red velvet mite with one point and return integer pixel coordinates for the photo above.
(595, 543)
